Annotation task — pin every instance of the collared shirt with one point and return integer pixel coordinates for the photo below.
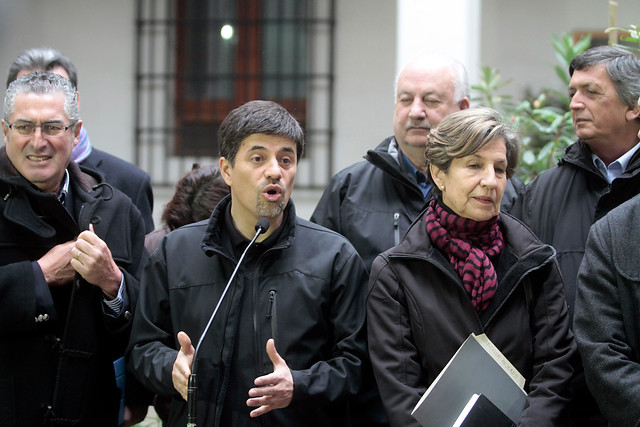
(422, 180)
(65, 188)
(615, 168)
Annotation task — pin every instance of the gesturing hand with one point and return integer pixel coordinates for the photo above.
(274, 390)
(56, 264)
(92, 259)
(182, 365)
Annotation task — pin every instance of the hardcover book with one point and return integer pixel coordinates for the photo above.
(481, 412)
(478, 367)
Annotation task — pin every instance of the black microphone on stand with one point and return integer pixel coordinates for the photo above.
(261, 227)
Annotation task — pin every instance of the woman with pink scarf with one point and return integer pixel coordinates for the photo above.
(464, 267)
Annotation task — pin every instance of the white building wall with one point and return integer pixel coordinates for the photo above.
(451, 27)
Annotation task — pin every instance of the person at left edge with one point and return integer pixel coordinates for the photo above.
(286, 346)
(71, 255)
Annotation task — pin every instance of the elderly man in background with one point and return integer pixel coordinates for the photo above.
(373, 202)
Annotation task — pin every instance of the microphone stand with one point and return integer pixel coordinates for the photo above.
(261, 227)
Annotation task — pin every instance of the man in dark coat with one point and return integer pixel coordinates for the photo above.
(607, 315)
(70, 260)
(287, 344)
(597, 173)
(126, 177)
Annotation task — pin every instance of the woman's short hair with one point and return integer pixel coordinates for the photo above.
(197, 194)
(464, 133)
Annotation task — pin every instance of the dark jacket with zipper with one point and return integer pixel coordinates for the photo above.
(560, 206)
(373, 202)
(307, 292)
(56, 366)
(418, 314)
(562, 203)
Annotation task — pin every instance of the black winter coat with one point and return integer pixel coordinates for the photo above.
(307, 291)
(54, 372)
(373, 202)
(126, 177)
(562, 203)
(418, 314)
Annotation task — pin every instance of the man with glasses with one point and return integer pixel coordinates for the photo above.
(71, 254)
(128, 178)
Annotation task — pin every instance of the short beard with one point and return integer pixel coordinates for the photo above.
(270, 209)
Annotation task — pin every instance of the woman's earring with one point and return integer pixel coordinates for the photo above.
(442, 187)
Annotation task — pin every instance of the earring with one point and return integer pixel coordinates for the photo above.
(442, 187)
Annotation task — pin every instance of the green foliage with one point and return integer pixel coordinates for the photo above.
(632, 38)
(544, 120)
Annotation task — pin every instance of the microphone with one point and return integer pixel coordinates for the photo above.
(261, 227)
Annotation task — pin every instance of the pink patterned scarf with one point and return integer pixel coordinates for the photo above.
(469, 246)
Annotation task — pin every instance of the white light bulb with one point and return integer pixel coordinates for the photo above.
(226, 32)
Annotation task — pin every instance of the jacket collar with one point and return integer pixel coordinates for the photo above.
(216, 238)
(529, 252)
(26, 205)
(522, 254)
(579, 155)
(386, 156)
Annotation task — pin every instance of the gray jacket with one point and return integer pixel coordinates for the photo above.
(607, 314)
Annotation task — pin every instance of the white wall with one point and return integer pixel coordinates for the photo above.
(452, 27)
(365, 70)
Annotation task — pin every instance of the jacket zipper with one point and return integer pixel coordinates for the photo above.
(272, 315)
(396, 228)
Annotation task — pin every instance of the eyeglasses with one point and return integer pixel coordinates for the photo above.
(48, 129)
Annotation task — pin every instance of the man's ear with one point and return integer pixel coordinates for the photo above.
(76, 132)
(5, 130)
(632, 113)
(225, 170)
(463, 103)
